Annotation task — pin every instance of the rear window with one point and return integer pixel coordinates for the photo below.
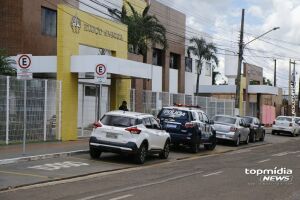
(174, 114)
(248, 120)
(224, 119)
(119, 121)
(284, 119)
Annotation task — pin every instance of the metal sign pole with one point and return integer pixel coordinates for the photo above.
(25, 116)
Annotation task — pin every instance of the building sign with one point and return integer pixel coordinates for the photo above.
(100, 74)
(24, 63)
(76, 26)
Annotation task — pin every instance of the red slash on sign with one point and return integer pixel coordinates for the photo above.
(100, 69)
(24, 61)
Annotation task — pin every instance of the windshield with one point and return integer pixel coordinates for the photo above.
(224, 119)
(174, 114)
(248, 120)
(119, 121)
(284, 119)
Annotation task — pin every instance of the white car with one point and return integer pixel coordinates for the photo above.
(286, 124)
(130, 133)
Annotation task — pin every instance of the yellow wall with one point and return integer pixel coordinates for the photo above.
(68, 43)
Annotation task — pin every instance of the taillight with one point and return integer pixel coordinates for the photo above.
(133, 130)
(291, 124)
(189, 125)
(97, 125)
(233, 129)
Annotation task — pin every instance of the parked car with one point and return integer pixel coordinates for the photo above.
(189, 126)
(257, 131)
(286, 124)
(231, 128)
(130, 133)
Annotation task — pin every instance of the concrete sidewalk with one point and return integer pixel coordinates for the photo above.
(14, 153)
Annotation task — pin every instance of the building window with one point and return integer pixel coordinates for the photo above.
(90, 91)
(208, 69)
(49, 22)
(188, 64)
(174, 61)
(157, 57)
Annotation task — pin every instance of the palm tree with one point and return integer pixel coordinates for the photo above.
(6, 64)
(204, 51)
(144, 30)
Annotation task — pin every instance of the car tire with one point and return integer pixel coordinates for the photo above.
(237, 142)
(141, 154)
(211, 146)
(293, 134)
(273, 132)
(262, 137)
(253, 137)
(95, 153)
(166, 151)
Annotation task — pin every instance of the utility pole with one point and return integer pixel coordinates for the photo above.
(238, 78)
(274, 72)
(290, 81)
(293, 84)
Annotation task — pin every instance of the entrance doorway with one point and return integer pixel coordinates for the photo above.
(93, 102)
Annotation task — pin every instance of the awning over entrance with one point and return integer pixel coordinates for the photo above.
(83, 64)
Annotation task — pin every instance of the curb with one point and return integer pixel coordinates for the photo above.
(41, 157)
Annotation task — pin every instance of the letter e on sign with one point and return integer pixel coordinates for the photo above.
(100, 74)
(24, 61)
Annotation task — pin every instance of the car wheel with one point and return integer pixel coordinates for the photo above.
(237, 142)
(211, 146)
(262, 137)
(95, 153)
(294, 134)
(165, 152)
(141, 154)
(273, 132)
(253, 137)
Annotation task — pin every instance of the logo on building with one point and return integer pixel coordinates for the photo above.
(75, 24)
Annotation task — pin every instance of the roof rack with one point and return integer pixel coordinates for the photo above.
(186, 105)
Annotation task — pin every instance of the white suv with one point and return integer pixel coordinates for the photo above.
(130, 133)
(286, 124)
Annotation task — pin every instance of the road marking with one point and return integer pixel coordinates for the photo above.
(240, 151)
(141, 186)
(23, 174)
(122, 197)
(57, 166)
(262, 161)
(293, 152)
(212, 174)
(281, 154)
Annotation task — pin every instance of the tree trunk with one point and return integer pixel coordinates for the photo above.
(198, 76)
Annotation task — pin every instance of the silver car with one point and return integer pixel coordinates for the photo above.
(231, 128)
(286, 124)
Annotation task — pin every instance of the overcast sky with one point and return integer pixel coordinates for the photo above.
(221, 19)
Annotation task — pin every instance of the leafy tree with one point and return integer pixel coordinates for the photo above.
(144, 30)
(215, 76)
(6, 64)
(267, 81)
(204, 51)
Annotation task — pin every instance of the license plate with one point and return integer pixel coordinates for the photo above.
(171, 126)
(112, 135)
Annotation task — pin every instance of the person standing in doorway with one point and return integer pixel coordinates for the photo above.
(123, 106)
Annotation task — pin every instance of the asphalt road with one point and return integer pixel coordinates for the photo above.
(214, 176)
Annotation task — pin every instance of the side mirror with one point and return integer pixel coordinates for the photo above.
(247, 125)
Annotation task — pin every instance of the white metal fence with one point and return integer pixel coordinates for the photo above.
(40, 109)
(152, 102)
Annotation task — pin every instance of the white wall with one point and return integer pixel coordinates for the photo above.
(173, 81)
(156, 78)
